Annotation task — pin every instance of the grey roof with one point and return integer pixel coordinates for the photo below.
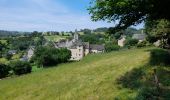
(97, 47)
(139, 36)
(12, 51)
(76, 43)
(86, 45)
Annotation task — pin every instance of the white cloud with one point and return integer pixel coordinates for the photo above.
(43, 15)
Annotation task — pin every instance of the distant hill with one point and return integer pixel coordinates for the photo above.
(4, 33)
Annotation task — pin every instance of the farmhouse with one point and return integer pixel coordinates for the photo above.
(30, 52)
(78, 48)
(12, 52)
(140, 37)
(121, 41)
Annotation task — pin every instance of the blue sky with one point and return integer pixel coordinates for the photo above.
(47, 15)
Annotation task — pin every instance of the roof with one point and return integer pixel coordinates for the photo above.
(75, 44)
(12, 51)
(97, 47)
(86, 45)
(139, 36)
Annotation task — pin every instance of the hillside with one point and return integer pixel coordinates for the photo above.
(55, 38)
(94, 78)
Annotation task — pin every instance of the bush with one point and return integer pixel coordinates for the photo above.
(48, 56)
(159, 57)
(20, 67)
(111, 47)
(4, 70)
(142, 44)
(132, 42)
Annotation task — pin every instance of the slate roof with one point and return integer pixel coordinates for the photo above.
(12, 51)
(139, 36)
(97, 47)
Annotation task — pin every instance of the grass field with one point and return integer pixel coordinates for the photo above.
(55, 38)
(93, 78)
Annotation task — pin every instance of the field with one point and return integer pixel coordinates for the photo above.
(55, 38)
(93, 78)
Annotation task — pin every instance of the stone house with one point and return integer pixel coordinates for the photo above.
(30, 52)
(78, 48)
(121, 41)
(141, 37)
(12, 52)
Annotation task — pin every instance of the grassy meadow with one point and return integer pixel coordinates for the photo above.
(55, 38)
(93, 78)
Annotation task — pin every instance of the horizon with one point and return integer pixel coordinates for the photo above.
(48, 15)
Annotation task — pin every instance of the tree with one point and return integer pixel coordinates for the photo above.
(20, 67)
(129, 12)
(49, 56)
(4, 70)
(160, 29)
(111, 47)
(132, 42)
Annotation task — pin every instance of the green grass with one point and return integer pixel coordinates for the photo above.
(55, 37)
(4, 42)
(93, 78)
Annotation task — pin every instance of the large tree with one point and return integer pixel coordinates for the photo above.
(129, 12)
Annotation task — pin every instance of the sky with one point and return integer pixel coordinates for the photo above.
(47, 15)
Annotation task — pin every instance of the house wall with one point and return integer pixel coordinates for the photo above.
(96, 51)
(77, 53)
(86, 52)
(121, 42)
(30, 53)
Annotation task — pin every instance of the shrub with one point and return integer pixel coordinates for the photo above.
(20, 67)
(111, 47)
(132, 42)
(4, 70)
(142, 44)
(159, 57)
(49, 56)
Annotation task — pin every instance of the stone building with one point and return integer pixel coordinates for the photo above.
(78, 48)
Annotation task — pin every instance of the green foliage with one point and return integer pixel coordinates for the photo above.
(93, 38)
(86, 31)
(131, 42)
(159, 57)
(111, 47)
(4, 70)
(49, 56)
(129, 12)
(142, 44)
(160, 31)
(20, 67)
(20, 43)
(8, 56)
(102, 29)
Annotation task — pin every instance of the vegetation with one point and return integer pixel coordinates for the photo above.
(20, 67)
(4, 70)
(131, 42)
(111, 47)
(55, 38)
(105, 74)
(49, 56)
(129, 12)
(159, 30)
(93, 38)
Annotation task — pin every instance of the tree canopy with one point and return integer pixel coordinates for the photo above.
(129, 12)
